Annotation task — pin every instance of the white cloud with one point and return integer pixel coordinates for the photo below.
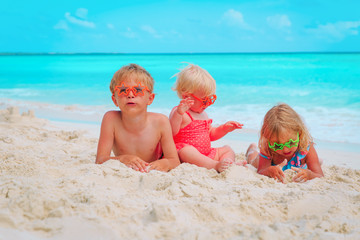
(151, 31)
(110, 26)
(336, 31)
(235, 18)
(61, 25)
(279, 21)
(129, 33)
(78, 21)
(81, 13)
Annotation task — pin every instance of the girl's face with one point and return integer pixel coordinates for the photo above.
(289, 141)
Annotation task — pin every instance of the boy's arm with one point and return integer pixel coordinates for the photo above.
(220, 131)
(314, 168)
(106, 139)
(171, 158)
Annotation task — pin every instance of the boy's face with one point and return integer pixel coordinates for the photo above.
(132, 95)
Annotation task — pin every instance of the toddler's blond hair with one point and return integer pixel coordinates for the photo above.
(193, 78)
(132, 71)
(283, 117)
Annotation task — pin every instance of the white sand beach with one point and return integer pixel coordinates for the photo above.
(51, 189)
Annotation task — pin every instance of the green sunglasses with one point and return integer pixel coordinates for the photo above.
(279, 146)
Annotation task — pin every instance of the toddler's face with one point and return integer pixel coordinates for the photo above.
(201, 101)
(289, 139)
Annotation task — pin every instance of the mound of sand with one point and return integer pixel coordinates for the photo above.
(51, 189)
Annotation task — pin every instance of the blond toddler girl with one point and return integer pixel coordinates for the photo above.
(191, 126)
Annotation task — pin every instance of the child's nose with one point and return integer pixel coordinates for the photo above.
(131, 94)
(286, 149)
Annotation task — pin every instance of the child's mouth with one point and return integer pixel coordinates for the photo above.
(287, 154)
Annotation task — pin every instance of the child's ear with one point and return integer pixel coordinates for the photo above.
(151, 98)
(114, 100)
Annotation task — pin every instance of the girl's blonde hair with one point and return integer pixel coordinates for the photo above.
(132, 71)
(279, 118)
(193, 78)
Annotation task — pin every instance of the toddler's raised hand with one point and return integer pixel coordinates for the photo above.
(185, 104)
(232, 125)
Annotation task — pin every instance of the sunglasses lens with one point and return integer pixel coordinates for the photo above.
(122, 90)
(276, 146)
(292, 144)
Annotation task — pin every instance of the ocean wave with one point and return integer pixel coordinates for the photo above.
(328, 124)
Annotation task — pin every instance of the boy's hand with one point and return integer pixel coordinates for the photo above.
(134, 162)
(185, 104)
(302, 174)
(160, 165)
(232, 125)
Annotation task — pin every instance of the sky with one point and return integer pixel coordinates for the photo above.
(175, 26)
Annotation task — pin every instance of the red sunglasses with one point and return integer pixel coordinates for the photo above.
(124, 89)
(206, 101)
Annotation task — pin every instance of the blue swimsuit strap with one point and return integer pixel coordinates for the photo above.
(266, 157)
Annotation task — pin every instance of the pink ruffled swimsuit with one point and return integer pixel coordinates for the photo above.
(196, 134)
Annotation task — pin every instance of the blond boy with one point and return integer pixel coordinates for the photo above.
(139, 139)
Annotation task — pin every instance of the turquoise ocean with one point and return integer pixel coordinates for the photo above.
(324, 88)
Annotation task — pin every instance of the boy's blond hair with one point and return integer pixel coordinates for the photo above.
(132, 71)
(283, 117)
(193, 78)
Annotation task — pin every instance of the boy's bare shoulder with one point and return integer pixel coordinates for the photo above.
(161, 118)
(112, 114)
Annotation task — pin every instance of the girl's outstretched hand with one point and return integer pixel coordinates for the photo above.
(232, 125)
(302, 175)
(276, 173)
(185, 104)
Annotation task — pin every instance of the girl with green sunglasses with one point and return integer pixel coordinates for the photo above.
(285, 143)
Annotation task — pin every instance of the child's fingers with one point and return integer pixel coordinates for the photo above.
(236, 124)
(186, 100)
(281, 175)
(190, 102)
(301, 178)
(295, 169)
(137, 166)
(140, 165)
(278, 174)
(279, 178)
(300, 175)
(156, 166)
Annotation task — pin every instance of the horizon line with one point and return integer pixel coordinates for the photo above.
(170, 53)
